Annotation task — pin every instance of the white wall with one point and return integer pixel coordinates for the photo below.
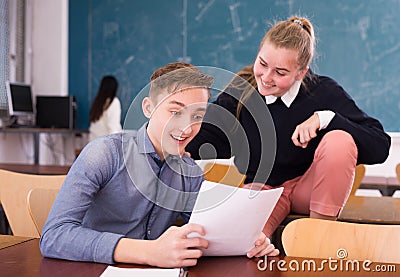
(388, 168)
(50, 69)
(47, 71)
(50, 47)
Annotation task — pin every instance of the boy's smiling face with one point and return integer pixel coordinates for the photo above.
(175, 119)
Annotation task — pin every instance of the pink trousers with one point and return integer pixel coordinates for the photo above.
(324, 187)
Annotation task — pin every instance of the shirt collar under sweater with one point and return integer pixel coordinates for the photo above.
(288, 97)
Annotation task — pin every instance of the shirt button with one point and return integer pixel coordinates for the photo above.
(148, 232)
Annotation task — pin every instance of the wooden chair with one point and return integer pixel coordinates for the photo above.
(316, 238)
(77, 152)
(14, 189)
(360, 173)
(276, 236)
(398, 171)
(224, 174)
(40, 201)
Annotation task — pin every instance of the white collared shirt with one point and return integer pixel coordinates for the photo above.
(325, 117)
(288, 97)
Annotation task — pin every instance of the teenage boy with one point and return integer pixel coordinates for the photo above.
(125, 191)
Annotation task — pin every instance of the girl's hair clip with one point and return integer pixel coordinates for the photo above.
(298, 22)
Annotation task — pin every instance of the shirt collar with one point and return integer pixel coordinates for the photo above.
(145, 145)
(143, 141)
(288, 97)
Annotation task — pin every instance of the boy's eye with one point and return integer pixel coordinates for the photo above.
(175, 113)
(198, 117)
(280, 73)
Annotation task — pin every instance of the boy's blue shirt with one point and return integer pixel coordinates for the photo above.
(104, 198)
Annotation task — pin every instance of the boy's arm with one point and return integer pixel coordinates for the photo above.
(171, 249)
(64, 235)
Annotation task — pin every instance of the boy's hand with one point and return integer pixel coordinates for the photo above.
(262, 247)
(174, 249)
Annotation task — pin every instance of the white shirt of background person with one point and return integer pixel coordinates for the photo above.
(109, 122)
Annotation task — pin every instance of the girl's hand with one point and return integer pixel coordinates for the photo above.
(306, 131)
(262, 247)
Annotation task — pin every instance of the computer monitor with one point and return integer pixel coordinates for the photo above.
(55, 111)
(19, 97)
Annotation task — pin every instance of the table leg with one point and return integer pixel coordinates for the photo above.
(36, 147)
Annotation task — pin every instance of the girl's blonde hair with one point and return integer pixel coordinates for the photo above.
(296, 33)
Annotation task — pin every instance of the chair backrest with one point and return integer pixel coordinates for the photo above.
(360, 172)
(14, 189)
(398, 172)
(40, 201)
(317, 238)
(224, 174)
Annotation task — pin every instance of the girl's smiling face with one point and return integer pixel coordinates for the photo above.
(276, 70)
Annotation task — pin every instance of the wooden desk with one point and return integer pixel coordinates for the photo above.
(386, 185)
(36, 135)
(379, 210)
(24, 259)
(36, 168)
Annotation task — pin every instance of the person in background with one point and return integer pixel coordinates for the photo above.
(105, 112)
(124, 192)
(321, 134)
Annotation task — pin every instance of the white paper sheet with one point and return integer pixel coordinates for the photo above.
(232, 217)
(112, 271)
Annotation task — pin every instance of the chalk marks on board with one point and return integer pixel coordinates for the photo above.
(236, 21)
(204, 9)
(184, 57)
(363, 26)
(129, 59)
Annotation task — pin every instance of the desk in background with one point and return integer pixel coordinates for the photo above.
(386, 185)
(36, 168)
(25, 259)
(36, 135)
(372, 210)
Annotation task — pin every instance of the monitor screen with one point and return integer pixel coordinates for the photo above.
(19, 98)
(55, 111)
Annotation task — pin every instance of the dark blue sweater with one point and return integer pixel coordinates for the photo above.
(261, 141)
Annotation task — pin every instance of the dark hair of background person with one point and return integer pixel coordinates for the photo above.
(106, 94)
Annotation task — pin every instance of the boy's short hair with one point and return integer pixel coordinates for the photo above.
(177, 76)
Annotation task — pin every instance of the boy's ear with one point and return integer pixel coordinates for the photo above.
(147, 107)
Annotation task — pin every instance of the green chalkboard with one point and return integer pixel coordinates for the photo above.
(358, 44)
